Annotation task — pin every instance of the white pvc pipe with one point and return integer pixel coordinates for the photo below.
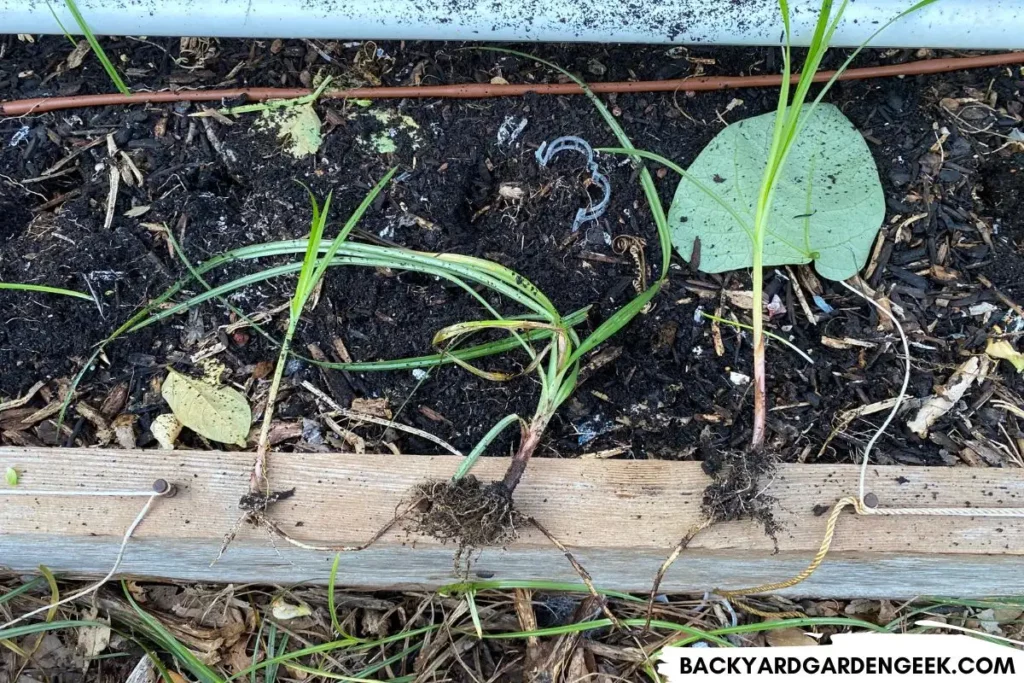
(964, 24)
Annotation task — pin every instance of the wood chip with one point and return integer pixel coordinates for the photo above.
(114, 401)
(19, 402)
(740, 299)
(846, 343)
(374, 407)
(340, 350)
(799, 292)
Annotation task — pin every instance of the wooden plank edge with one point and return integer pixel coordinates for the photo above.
(843, 575)
(619, 517)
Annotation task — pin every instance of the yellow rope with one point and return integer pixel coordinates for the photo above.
(826, 543)
(750, 609)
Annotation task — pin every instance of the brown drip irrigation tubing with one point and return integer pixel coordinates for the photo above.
(485, 90)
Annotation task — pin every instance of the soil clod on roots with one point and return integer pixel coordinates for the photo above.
(259, 502)
(737, 490)
(474, 514)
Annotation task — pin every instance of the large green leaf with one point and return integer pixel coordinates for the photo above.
(828, 203)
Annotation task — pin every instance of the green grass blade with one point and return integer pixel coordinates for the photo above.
(21, 590)
(349, 644)
(783, 623)
(304, 287)
(350, 223)
(331, 606)
(468, 353)
(24, 287)
(168, 642)
(615, 322)
(46, 626)
(474, 455)
(580, 627)
(432, 360)
(397, 657)
(108, 66)
(63, 29)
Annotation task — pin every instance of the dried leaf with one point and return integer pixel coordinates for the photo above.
(299, 126)
(114, 401)
(165, 429)
(1003, 350)
(943, 400)
(845, 343)
(124, 430)
(93, 640)
(285, 610)
(78, 55)
(217, 412)
(789, 637)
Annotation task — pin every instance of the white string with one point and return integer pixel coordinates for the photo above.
(29, 492)
(899, 399)
(862, 507)
(120, 552)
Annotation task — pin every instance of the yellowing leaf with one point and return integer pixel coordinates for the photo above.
(299, 125)
(1004, 350)
(284, 610)
(165, 429)
(219, 413)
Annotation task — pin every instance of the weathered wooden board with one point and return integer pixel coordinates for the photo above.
(619, 517)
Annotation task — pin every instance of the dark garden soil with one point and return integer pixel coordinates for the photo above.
(942, 144)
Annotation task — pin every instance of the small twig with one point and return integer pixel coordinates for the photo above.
(663, 569)
(1007, 301)
(352, 415)
(115, 183)
(226, 154)
(799, 292)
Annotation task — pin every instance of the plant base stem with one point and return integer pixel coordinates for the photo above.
(760, 407)
(529, 443)
(258, 479)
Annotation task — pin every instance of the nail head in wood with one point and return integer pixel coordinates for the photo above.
(870, 500)
(162, 488)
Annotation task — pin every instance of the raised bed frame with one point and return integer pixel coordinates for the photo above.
(620, 518)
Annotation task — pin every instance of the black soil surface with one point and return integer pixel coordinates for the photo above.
(945, 151)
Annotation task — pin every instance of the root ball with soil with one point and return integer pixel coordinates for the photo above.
(468, 512)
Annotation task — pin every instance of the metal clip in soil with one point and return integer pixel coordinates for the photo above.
(571, 142)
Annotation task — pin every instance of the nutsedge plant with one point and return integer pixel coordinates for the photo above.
(791, 118)
(559, 378)
(311, 273)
